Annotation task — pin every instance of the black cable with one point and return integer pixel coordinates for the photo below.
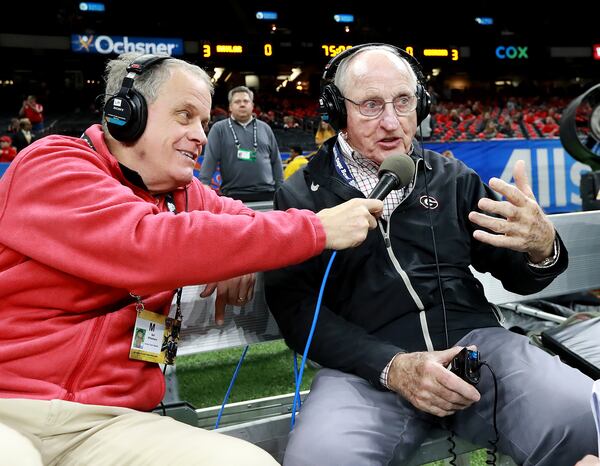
(491, 452)
(162, 405)
(435, 253)
(451, 449)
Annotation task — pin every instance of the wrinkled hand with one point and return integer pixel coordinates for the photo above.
(589, 460)
(524, 226)
(235, 291)
(346, 225)
(422, 378)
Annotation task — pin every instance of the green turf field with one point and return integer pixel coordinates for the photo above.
(266, 371)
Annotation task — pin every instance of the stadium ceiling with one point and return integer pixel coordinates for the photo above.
(445, 22)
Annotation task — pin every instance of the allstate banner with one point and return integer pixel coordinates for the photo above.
(554, 175)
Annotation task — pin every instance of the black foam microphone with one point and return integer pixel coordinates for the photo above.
(395, 172)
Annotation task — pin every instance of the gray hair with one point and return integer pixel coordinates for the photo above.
(148, 84)
(235, 90)
(341, 74)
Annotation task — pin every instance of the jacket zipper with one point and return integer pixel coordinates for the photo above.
(83, 359)
(409, 287)
(404, 276)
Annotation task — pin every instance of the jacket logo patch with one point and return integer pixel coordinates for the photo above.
(313, 186)
(428, 202)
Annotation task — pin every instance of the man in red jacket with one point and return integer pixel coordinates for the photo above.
(32, 110)
(7, 151)
(95, 234)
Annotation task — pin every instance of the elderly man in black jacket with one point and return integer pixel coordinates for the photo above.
(398, 308)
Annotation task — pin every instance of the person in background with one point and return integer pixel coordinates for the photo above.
(13, 127)
(398, 308)
(96, 233)
(296, 161)
(246, 150)
(324, 132)
(32, 110)
(7, 151)
(24, 136)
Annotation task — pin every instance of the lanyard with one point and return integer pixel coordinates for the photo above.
(254, 133)
(170, 201)
(139, 306)
(340, 165)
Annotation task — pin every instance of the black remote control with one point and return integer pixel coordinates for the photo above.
(466, 365)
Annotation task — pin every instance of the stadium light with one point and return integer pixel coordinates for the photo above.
(266, 15)
(343, 18)
(92, 6)
(484, 20)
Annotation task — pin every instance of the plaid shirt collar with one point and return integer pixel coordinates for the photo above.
(364, 171)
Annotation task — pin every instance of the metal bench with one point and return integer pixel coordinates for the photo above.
(265, 422)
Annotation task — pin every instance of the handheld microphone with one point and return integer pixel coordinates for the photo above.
(395, 172)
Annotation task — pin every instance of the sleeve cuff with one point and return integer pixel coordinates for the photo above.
(383, 377)
(549, 261)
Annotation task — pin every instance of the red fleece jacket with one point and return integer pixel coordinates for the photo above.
(76, 237)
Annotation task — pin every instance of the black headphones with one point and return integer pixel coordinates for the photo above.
(331, 102)
(126, 112)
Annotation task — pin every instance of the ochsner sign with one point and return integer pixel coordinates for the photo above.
(123, 44)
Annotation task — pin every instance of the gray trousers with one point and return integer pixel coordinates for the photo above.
(544, 414)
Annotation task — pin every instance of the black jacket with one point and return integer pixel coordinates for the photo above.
(374, 296)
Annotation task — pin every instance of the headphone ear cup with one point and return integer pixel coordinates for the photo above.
(139, 115)
(423, 103)
(333, 106)
(126, 116)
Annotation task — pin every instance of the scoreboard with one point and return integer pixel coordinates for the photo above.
(302, 51)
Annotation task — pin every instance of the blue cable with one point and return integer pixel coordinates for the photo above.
(296, 376)
(309, 339)
(233, 377)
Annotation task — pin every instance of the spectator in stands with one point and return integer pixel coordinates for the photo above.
(7, 151)
(24, 136)
(246, 150)
(435, 97)
(490, 131)
(550, 128)
(324, 132)
(296, 161)
(13, 127)
(386, 333)
(454, 117)
(93, 229)
(32, 110)
(506, 128)
(289, 122)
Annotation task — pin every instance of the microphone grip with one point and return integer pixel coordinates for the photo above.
(387, 183)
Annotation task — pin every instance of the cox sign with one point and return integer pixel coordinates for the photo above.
(122, 44)
(511, 52)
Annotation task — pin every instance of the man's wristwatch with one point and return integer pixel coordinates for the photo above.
(548, 261)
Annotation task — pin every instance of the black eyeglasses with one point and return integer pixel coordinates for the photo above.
(403, 105)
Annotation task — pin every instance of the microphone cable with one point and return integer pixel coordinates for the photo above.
(433, 240)
(491, 452)
(232, 381)
(493, 449)
(309, 340)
